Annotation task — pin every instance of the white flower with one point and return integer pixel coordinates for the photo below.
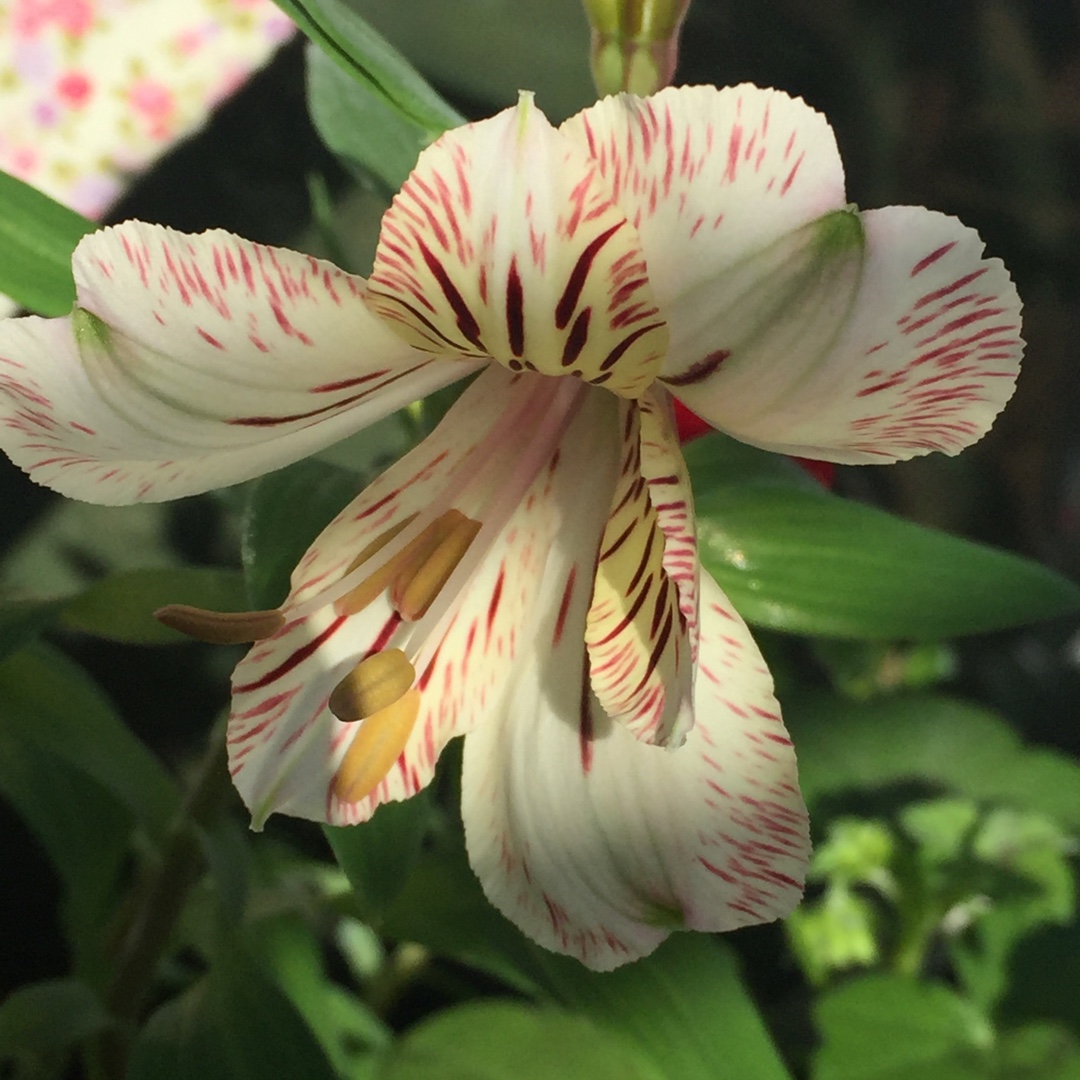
(528, 575)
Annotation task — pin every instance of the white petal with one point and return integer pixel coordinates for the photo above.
(922, 356)
(598, 845)
(709, 177)
(285, 745)
(194, 362)
(505, 242)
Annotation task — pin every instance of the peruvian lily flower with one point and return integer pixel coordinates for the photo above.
(528, 575)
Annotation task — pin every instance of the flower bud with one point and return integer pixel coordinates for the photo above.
(635, 43)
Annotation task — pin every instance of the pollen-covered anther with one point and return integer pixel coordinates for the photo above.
(220, 627)
(378, 743)
(373, 685)
(421, 579)
(428, 560)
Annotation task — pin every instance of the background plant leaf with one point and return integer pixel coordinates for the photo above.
(495, 1040)
(794, 557)
(233, 1024)
(121, 607)
(37, 237)
(40, 1023)
(939, 740)
(370, 60)
(371, 136)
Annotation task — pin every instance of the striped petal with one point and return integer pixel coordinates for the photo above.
(599, 845)
(642, 629)
(505, 242)
(193, 362)
(916, 347)
(709, 176)
(288, 751)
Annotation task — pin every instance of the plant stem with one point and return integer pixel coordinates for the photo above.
(160, 898)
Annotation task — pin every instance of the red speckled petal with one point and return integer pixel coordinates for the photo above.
(285, 745)
(599, 845)
(709, 176)
(193, 362)
(924, 359)
(642, 624)
(505, 242)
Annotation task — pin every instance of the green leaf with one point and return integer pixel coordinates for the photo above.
(495, 1040)
(286, 510)
(81, 826)
(41, 1023)
(379, 855)
(37, 237)
(52, 706)
(443, 908)
(1038, 1052)
(360, 127)
(22, 620)
(292, 956)
(1042, 977)
(368, 59)
(657, 1002)
(121, 607)
(936, 739)
(234, 1024)
(792, 556)
(885, 1027)
(685, 1006)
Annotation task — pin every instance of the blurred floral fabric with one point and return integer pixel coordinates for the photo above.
(93, 91)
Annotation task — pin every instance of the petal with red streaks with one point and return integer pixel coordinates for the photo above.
(709, 177)
(598, 845)
(642, 628)
(285, 745)
(194, 362)
(505, 242)
(925, 356)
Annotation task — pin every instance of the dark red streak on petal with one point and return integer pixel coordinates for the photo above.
(616, 354)
(564, 606)
(699, 371)
(585, 724)
(933, 257)
(575, 341)
(294, 660)
(628, 618)
(657, 651)
(272, 421)
(572, 293)
(515, 310)
(347, 384)
(466, 321)
(644, 562)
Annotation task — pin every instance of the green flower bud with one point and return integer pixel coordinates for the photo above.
(635, 43)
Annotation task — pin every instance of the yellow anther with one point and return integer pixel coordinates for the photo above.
(220, 627)
(376, 746)
(359, 597)
(373, 685)
(418, 583)
(443, 542)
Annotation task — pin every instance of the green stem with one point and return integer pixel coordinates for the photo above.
(158, 902)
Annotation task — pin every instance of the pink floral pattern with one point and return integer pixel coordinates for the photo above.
(92, 91)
